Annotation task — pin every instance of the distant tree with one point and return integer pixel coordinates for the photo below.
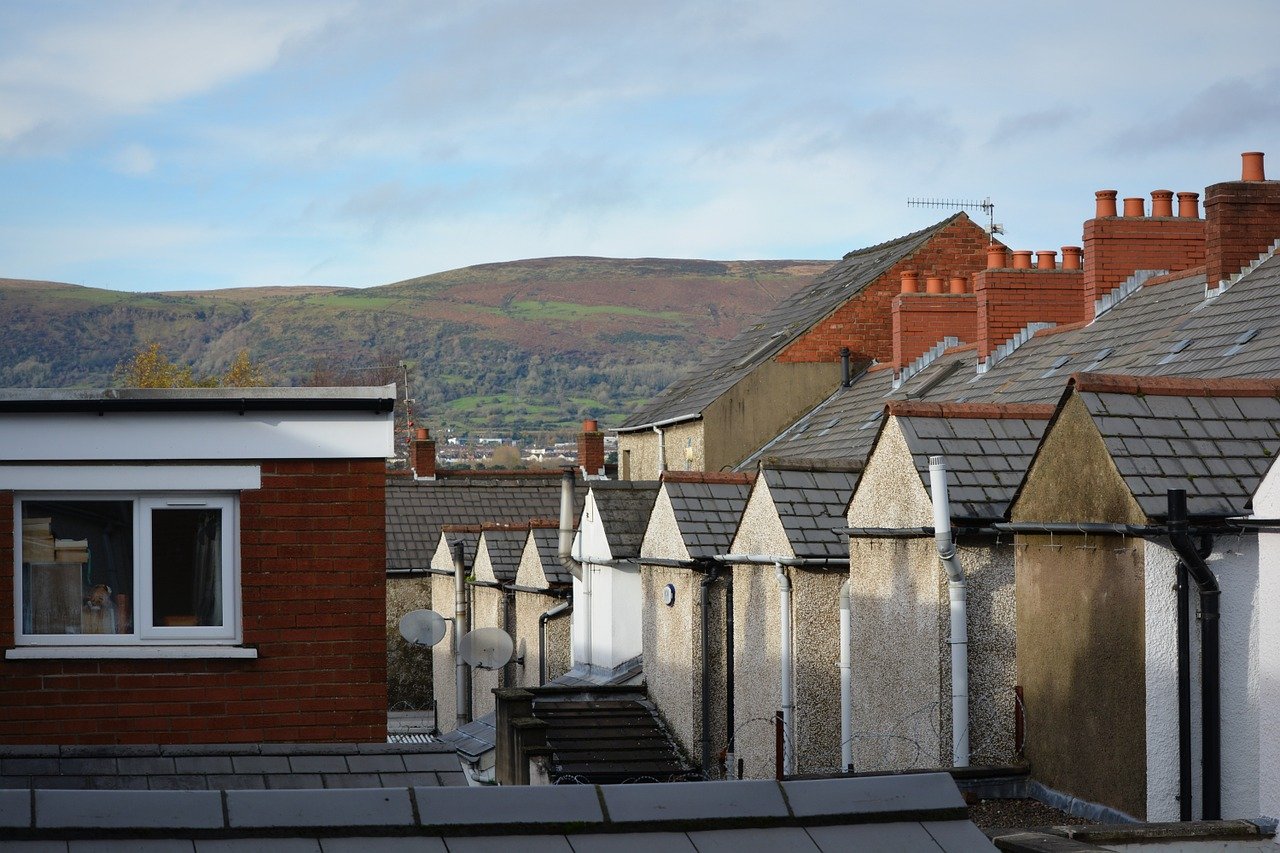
(149, 367)
(507, 456)
(244, 373)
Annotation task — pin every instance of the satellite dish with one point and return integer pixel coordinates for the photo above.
(487, 648)
(422, 627)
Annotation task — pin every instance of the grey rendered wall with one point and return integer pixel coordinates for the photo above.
(409, 676)
(442, 658)
(486, 612)
(529, 608)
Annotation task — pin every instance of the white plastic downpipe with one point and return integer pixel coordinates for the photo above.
(788, 692)
(846, 679)
(662, 449)
(959, 611)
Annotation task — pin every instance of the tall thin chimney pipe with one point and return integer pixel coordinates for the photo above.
(844, 367)
(565, 544)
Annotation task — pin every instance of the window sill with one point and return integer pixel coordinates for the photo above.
(130, 652)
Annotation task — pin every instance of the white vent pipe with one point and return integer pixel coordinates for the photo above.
(787, 690)
(846, 679)
(959, 611)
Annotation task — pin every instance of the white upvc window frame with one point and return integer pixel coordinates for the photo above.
(143, 634)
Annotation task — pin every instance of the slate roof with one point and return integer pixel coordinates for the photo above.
(987, 449)
(624, 508)
(703, 383)
(417, 509)
(707, 509)
(470, 538)
(811, 505)
(918, 811)
(504, 545)
(547, 541)
(607, 735)
(1215, 439)
(1133, 337)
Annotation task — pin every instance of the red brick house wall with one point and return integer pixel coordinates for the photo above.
(1117, 246)
(865, 322)
(312, 563)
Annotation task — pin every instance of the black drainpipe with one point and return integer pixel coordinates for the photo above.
(1210, 696)
(709, 578)
(845, 379)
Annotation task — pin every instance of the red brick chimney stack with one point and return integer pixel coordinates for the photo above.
(1115, 247)
(1243, 220)
(591, 449)
(424, 455)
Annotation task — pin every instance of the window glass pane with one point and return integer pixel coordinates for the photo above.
(77, 567)
(186, 567)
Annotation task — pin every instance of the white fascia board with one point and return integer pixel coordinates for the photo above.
(171, 436)
(129, 478)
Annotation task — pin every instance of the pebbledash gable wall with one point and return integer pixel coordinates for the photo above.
(312, 550)
(864, 323)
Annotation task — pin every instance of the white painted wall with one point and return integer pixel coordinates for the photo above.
(1235, 563)
(606, 600)
(196, 435)
(1266, 504)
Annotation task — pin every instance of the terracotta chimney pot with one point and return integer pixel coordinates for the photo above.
(959, 284)
(1106, 200)
(1162, 203)
(1135, 207)
(1022, 259)
(934, 284)
(997, 257)
(911, 282)
(1047, 260)
(591, 425)
(1251, 166)
(423, 433)
(1189, 205)
(1071, 256)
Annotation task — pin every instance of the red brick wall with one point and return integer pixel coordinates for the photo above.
(920, 320)
(1115, 247)
(1243, 220)
(1009, 299)
(865, 323)
(312, 544)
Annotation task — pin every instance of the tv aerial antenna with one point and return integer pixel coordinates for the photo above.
(986, 205)
(487, 648)
(422, 627)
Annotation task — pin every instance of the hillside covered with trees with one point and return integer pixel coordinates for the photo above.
(518, 348)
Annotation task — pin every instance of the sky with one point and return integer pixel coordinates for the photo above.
(155, 145)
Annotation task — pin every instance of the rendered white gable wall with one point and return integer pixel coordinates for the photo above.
(1266, 504)
(1235, 562)
(606, 599)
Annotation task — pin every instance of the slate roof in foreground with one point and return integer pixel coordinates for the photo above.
(811, 505)
(987, 449)
(1214, 438)
(707, 508)
(921, 811)
(703, 383)
(624, 508)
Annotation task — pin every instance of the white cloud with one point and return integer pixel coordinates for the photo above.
(123, 59)
(135, 160)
